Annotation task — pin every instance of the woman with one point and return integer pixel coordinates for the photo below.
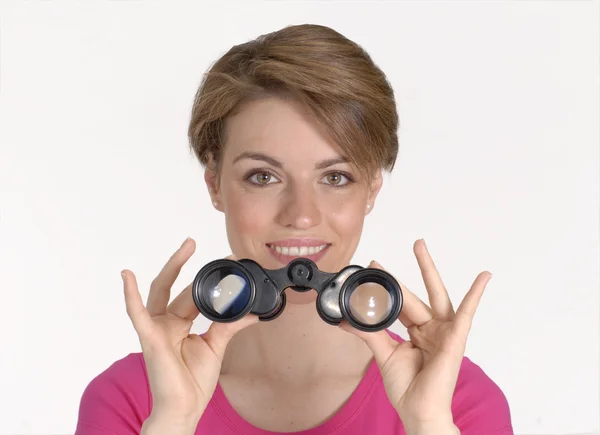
(294, 130)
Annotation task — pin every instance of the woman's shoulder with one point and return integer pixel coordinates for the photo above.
(477, 397)
(118, 399)
(129, 370)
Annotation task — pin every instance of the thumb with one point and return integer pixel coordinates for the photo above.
(220, 334)
(375, 265)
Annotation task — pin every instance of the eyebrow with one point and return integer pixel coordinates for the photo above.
(274, 162)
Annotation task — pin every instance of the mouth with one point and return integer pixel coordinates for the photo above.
(285, 252)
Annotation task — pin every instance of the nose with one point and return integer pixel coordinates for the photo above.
(299, 208)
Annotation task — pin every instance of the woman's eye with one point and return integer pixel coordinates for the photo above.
(262, 178)
(336, 179)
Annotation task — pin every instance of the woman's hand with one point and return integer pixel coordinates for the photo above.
(183, 368)
(420, 375)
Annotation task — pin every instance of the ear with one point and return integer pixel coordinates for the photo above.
(212, 183)
(374, 189)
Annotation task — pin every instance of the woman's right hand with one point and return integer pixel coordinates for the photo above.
(183, 369)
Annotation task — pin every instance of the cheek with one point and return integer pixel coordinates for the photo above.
(346, 216)
(247, 220)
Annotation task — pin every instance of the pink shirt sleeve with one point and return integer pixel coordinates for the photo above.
(479, 406)
(117, 401)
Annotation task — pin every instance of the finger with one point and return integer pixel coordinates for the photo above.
(142, 322)
(414, 310)
(380, 342)
(466, 310)
(160, 289)
(183, 305)
(438, 295)
(219, 335)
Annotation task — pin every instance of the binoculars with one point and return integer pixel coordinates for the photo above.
(226, 290)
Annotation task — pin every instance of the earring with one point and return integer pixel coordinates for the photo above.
(368, 206)
(215, 203)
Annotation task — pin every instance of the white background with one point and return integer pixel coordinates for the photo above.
(498, 170)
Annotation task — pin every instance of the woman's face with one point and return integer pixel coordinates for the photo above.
(287, 191)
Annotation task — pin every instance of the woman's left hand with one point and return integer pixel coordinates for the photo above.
(420, 375)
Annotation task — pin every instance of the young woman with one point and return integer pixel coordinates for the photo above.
(294, 130)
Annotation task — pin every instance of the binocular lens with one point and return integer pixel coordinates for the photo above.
(370, 303)
(227, 292)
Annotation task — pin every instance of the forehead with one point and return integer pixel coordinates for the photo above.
(280, 127)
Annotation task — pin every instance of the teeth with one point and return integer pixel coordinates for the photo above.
(298, 250)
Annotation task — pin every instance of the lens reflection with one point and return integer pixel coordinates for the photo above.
(226, 293)
(370, 303)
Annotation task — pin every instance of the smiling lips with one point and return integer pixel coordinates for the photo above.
(287, 250)
(298, 250)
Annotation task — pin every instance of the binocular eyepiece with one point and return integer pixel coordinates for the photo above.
(226, 290)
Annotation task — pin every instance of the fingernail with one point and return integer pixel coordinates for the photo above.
(123, 275)
(184, 242)
(377, 264)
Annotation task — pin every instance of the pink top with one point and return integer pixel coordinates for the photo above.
(118, 401)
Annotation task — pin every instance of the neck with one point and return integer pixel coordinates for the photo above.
(295, 347)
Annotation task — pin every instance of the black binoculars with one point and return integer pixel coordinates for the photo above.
(226, 290)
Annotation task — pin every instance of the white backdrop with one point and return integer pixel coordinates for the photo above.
(498, 170)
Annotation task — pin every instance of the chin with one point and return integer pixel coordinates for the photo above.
(300, 298)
